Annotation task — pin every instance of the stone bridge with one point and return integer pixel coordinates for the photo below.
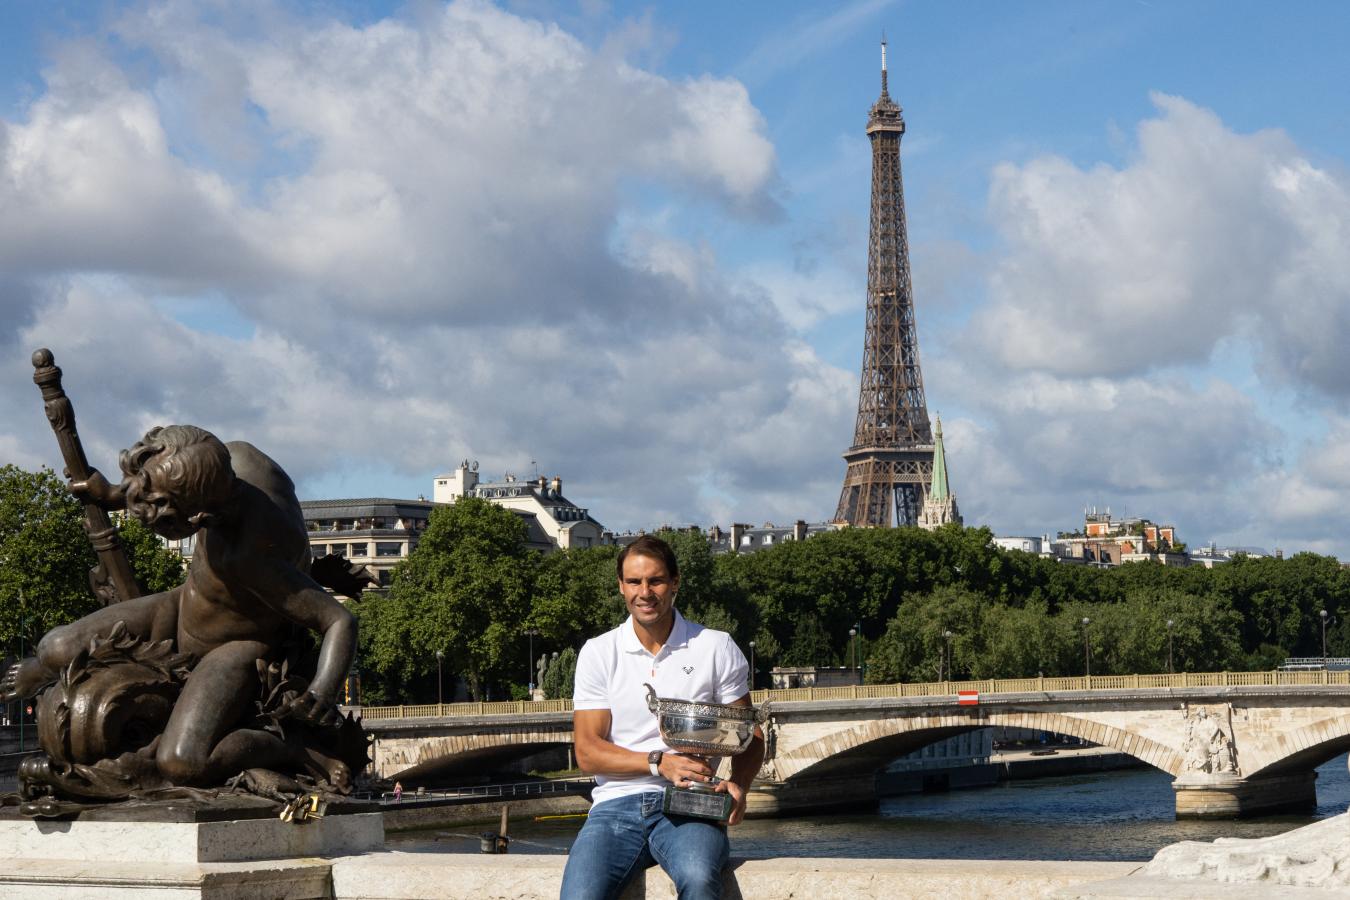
(1232, 748)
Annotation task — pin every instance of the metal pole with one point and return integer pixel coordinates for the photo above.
(752, 665)
(1087, 651)
(529, 663)
(440, 680)
(1323, 614)
(23, 608)
(1169, 647)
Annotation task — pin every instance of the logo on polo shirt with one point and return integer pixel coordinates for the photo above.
(689, 670)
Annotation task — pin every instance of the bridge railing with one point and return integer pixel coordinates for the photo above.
(885, 691)
(438, 710)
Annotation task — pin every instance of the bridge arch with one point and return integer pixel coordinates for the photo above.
(871, 745)
(1314, 744)
(418, 757)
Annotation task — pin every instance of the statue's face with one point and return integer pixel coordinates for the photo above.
(168, 515)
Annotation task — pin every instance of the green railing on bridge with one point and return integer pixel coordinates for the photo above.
(929, 689)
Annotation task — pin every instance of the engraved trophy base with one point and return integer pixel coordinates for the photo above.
(698, 801)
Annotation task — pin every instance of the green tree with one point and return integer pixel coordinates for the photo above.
(45, 556)
(464, 590)
(558, 677)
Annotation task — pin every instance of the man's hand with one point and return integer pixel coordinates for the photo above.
(738, 797)
(679, 769)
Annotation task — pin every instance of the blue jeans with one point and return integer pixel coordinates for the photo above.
(627, 834)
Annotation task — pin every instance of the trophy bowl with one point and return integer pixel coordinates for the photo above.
(705, 729)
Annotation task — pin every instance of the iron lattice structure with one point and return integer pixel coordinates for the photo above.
(890, 463)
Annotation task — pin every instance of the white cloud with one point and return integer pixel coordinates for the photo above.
(1205, 233)
(418, 221)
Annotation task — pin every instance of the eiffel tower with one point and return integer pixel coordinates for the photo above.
(890, 463)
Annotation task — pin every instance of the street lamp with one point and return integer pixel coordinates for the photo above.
(1323, 614)
(947, 654)
(752, 665)
(529, 663)
(1087, 650)
(1170, 623)
(440, 681)
(853, 646)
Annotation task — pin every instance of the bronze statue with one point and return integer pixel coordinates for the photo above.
(217, 678)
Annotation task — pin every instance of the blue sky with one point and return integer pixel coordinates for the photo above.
(627, 242)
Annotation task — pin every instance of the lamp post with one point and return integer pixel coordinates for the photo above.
(853, 646)
(23, 608)
(440, 681)
(529, 663)
(1323, 614)
(752, 665)
(1087, 649)
(945, 664)
(1170, 623)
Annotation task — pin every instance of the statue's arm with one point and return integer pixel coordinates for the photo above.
(305, 603)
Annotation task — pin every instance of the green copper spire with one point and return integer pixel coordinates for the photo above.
(939, 492)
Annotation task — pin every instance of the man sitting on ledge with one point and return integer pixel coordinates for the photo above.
(617, 739)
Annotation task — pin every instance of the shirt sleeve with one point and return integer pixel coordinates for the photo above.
(590, 684)
(733, 673)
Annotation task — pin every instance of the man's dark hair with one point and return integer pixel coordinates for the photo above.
(654, 547)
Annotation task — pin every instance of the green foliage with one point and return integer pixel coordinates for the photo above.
(559, 676)
(471, 590)
(45, 556)
(464, 590)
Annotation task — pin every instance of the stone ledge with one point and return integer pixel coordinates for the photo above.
(189, 842)
(57, 879)
(416, 876)
(1146, 887)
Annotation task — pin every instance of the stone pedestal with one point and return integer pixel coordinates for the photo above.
(1228, 798)
(248, 859)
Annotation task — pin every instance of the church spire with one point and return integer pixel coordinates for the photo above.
(939, 507)
(938, 492)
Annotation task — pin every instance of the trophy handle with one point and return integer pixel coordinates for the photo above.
(651, 697)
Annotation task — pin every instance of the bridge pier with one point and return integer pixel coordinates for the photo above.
(852, 793)
(1230, 798)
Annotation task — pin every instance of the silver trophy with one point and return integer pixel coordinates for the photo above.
(706, 730)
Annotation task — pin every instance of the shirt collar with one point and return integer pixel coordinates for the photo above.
(679, 635)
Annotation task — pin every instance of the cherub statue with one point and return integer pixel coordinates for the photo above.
(232, 634)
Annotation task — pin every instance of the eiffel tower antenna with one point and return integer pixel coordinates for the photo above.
(890, 463)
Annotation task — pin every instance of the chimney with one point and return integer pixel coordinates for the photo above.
(737, 529)
(799, 530)
(543, 482)
(557, 485)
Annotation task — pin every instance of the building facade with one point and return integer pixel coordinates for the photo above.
(558, 521)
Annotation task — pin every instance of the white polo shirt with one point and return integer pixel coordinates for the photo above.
(696, 663)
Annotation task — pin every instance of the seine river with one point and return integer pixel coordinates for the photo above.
(1122, 816)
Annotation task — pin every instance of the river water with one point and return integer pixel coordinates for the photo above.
(1120, 816)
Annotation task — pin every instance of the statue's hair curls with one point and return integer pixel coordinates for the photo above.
(190, 466)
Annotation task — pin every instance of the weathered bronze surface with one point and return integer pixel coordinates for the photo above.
(215, 685)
